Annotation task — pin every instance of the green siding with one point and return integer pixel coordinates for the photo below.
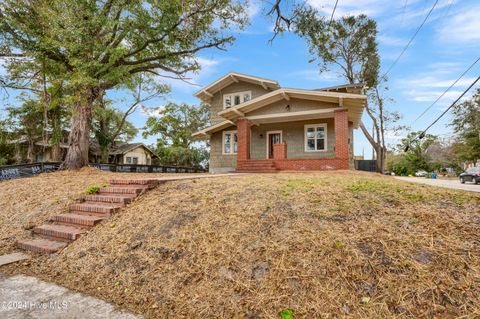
(217, 159)
(216, 105)
(293, 135)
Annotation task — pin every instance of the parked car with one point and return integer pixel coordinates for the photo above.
(471, 175)
(421, 173)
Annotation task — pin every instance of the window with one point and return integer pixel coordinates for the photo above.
(135, 160)
(230, 142)
(315, 137)
(233, 99)
(129, 160)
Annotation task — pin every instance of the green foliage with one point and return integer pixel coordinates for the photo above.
(286, 313)
(466, 123)
(92, 189)
(95, 46)
(416, 156)
(349, 42)
(174, 125)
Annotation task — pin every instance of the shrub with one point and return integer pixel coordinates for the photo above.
(92, 189)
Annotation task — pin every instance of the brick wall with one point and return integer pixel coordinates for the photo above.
(341, 134)
(280, 151)
(310, 164)
(243, 135)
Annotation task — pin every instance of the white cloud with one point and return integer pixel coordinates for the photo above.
(315, 75)
(390, 40)
(253, 8)
(463, 27)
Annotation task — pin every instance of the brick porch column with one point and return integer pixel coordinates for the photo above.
(341, 134)
(243, 139)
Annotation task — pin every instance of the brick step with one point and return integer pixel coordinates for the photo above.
(77, 220)
(40, 245)
(111, 198)
(150, 183)
(123, 189)
(83, 213)
(96, 207)
(58, 232)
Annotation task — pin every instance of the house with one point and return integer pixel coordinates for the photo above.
(125, 153)
(41, 150)
(256, 125)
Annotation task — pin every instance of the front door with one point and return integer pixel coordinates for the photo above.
(273, 138)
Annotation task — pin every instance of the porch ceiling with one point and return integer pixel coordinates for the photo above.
(353, 103)
(292, 116)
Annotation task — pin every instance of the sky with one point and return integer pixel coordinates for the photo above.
(444, 48)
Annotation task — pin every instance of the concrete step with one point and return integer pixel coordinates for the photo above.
(150, 183)
(58, 232)
(96, 207)
(40, 245)
(77, 220)
(123, 189)
(111, 198)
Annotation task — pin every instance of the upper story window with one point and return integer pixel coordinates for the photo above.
(233, 99)
(315, 137)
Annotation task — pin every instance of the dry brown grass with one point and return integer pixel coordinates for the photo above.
(29, 202)
(250, 246)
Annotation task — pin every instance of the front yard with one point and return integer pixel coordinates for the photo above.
(326, 244)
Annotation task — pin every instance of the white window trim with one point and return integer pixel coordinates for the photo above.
(232, 98)
(324, 125)
(232, 142)
(268, 139)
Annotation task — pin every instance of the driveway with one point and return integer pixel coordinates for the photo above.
(448, 183)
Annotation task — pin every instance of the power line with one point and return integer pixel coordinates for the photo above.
(444, 92)
(422, 135)
(333, 12)
(411, 39)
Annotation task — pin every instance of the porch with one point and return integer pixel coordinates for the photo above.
(314, 144)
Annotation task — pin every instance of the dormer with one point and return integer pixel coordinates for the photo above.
(232, 90)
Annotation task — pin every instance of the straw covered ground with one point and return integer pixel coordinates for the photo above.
(29, 202)
(325, 245)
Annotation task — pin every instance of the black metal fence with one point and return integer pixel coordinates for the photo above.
(366, 165)
(126, 168)
(28, 170)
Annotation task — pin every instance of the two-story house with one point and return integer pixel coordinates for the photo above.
(256, 125)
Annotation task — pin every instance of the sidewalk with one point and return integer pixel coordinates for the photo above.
(28, 297)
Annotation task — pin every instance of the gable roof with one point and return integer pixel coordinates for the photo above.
(353, 102)
(344, 88)
(119, 149)
(208, 91)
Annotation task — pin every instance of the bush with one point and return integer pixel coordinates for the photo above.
(92, 189)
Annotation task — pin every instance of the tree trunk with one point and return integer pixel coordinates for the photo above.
(56, 152)
(104, 154)
(31, 151)
(379, 150)
(78, 139)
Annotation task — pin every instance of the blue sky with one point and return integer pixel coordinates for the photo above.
(444, 48)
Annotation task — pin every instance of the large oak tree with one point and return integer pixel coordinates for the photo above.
(99, 45)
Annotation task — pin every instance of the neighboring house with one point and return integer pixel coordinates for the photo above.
(119, 153)
(258, 126)
(125, 153)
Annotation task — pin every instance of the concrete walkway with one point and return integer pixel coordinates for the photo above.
(30, 298)
(447, 183)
